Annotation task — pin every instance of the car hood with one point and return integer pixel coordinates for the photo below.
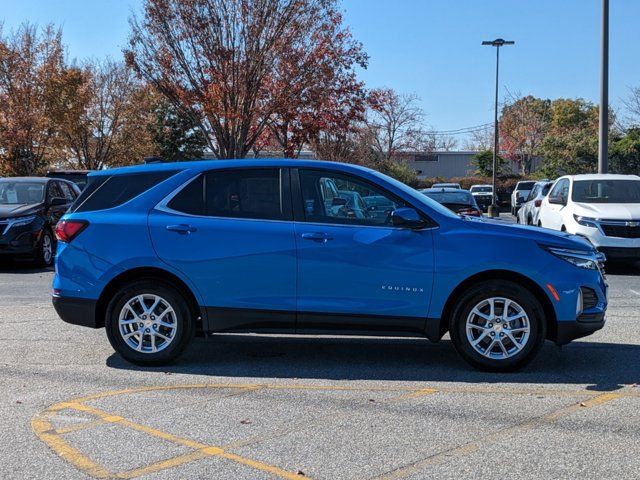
(8, 211)
(524, 232)
(608, 211)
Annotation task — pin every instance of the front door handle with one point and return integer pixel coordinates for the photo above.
(317, 237)
(182, 228)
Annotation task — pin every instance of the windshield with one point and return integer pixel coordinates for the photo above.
(19, 193)
(606, 191)
(462, 198)
(481, 189)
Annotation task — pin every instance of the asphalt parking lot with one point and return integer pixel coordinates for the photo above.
(253, 407)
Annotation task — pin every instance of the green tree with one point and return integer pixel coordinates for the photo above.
(484, 163)
(624, 153)
(175, 137)
(571, 143)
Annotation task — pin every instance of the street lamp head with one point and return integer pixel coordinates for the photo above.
(498, 42)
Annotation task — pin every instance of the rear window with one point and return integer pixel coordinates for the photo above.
(525, 185)
(105, 192)
(463, 198)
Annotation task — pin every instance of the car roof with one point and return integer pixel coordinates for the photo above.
(602, 176)
(204, 165)
(482, 185)
(29, 179)
(443, 190)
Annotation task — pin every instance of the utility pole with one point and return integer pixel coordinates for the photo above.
(498, 42)
(603, 129)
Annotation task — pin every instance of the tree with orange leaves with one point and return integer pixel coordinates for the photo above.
(238, 67)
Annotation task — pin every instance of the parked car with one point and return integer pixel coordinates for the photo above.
(446, 185)
(603, 208)
(79, 177)
(154, 252)
(459, 201)
(483, 195)
(529, 211)
(30, 207)
(520, 194)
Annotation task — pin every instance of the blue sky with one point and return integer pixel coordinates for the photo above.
(427, 47)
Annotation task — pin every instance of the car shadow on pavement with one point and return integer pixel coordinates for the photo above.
(21, 266)
(600, 366)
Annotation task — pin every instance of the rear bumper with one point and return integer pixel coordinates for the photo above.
(584, 325)
(77, 311)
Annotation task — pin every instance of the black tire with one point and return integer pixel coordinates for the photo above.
(42, 259)
(509, 290)
(184, 321)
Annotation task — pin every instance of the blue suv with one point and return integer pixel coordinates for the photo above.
(156, 252)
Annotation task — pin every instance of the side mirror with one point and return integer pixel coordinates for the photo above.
(58, 202)
(407, 218)
(338, 202)
(558, 200)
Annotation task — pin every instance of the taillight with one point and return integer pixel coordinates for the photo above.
(67, 230)
(537, 203)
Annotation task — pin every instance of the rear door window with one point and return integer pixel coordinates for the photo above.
(251, 194)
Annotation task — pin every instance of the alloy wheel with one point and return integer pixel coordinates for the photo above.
(147, 323)
(498, 328)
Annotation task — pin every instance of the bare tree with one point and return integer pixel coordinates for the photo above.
(394, 122)
(633, 106)
(101, 126)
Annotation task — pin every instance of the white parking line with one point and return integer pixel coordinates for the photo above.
(633, 291)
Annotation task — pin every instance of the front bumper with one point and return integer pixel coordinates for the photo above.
(584, 325)
(77, 311)
(20, 241)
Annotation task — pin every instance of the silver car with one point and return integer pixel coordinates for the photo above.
(530, 209)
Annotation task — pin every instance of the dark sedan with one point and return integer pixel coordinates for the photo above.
(30, 207)
(457, 200)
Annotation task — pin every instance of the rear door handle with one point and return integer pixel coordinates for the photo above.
(182, 228)
(317, 237)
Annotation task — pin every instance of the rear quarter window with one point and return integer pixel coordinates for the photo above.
(104, 192)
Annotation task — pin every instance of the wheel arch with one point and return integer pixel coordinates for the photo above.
(142, 273)
(523, 280)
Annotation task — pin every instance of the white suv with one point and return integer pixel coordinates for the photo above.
(605, 209)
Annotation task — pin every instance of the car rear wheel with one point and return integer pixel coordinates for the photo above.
(498, 325)
(149, 323)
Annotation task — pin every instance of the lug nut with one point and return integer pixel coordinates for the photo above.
(147, 330)
(493, 334)
(491, 325)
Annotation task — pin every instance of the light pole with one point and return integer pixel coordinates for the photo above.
(498, 42)
(603, 128)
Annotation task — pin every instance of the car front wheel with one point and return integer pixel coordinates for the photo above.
(149, 322)
(498, 325)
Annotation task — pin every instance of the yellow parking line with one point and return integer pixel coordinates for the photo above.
(53, 437)
(44, 430)
(493, 437)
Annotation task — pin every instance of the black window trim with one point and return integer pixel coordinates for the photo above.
(298, 205)
(285, 193)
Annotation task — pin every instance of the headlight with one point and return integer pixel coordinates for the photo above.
(585, 221)
(20, 221)
(579, 258)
